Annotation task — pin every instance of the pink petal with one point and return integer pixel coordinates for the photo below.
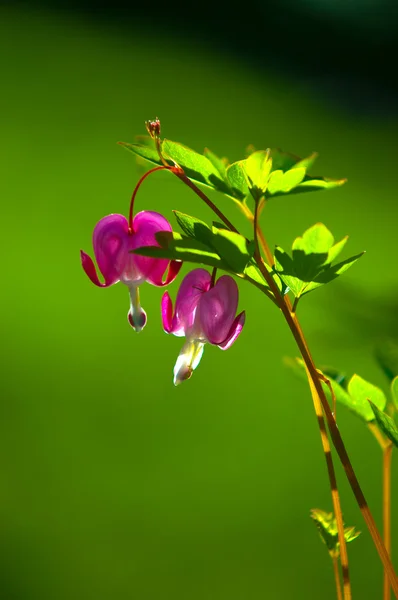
(146, 224)
(172, 272)
(91, 271)
(234, 332)
(167, 312)
(192, 289)
(217, 309)
(111, 242)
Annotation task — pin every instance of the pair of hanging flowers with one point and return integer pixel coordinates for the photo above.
(205, 308)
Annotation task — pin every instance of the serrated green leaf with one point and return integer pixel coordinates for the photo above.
(174, 246)
(194, 227)
(361, 391)
(220, 164)
(385, 423)
(327, 527)
(237, 180)
(233, 248)
(387, 356)
(258, 167)
(394, 391)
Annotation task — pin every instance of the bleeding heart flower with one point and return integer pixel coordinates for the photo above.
(113, 240)
(203, 313)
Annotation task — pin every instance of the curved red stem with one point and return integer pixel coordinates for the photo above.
(131, 230)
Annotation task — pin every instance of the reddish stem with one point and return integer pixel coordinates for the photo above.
(131, 230)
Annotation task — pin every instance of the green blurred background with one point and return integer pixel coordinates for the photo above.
(115, 484)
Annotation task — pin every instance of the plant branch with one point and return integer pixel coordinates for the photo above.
(333, 429)
(387, 455)
(337, 577)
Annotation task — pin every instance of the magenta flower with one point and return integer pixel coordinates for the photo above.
(203, 313)
(113, 240)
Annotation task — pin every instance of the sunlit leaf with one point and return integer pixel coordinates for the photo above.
(174, 246)
(220, 164)
(327, 527)
(361, 391)
(385, 423)
(233, 248)
(258, 167)
(194, 227)
(237, 179)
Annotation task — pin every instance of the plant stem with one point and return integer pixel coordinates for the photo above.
(386, 447)
(333, 429)
(335, 493)
(181, 175)
(298, 335)
(387, 455)
(337, 577)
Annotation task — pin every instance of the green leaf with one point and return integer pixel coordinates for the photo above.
(356, 403)
(220, 164)
(194, 227)
(282, 160)
(327, 527)
(310, 264)
(332, 273)
(385, 423)
(387, 356)
(196, 166)
(174, 246)
(394, 391)
(283, 183)
(258, 167)
(307, 163)
(143, 151)
(233, 248)
(237, 180)
(361, 391)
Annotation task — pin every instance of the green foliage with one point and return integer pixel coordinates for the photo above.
(264, 173)
(213, 247)
(310, 266)
(385, 423)
(355, 397)
(327, 527)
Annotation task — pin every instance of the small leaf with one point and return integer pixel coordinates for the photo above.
(233, 248)
(385, 423)
(327, 527)
(361, 391)
(332, 273)
(195, 165)
(237, 180)
(394, 391)
(174, 246)
(307, 163)
(336, 250)
(143, 151)
(258, 167)
(220, 164)
(284, 267)
(316, 239)
(194, 227)
(282, 160)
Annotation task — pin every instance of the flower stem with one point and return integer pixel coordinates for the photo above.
(338, 443)
(387, 455)
(337, 577)
(334, 491)
(137, 188)
(386, 447)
